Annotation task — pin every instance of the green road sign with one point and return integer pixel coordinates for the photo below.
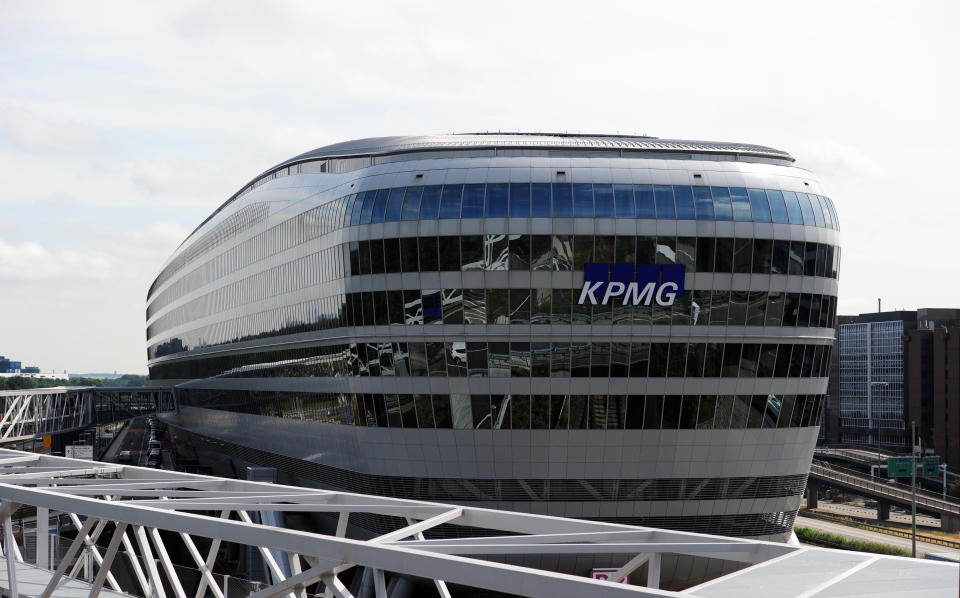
(898, 467)
(931, 467)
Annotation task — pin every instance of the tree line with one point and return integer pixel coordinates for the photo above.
(22, 382)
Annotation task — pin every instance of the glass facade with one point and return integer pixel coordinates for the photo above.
(381, 319)
(871, 383)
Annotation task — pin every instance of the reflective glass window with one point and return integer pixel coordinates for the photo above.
(380, 307)
(603, 251)
(449, 254)
(821, 260)
(424, 409)
(688, 412)
(833, 213)
(580, 359)
(756, 308)
(519, 306)
(562, 200)
(762, 254)
(723, 209)
(774, 315)
(498, 306)
(634, 415)
(541, 255)
(579, 417)
(582, 251)
(519, 200)
(795, 216)
(676, 367)
(540, 306)
(803, 310)
(623, 201)
(731, 360)
(474, 306)
(380, 206)
(357, 207)
(652, 412)
(540, 412)
(749, 359)
(658, 359)
(796, 258)
(791, 307)
(519, 360)
(401, 356)
(777, 208)
(671, 412)
(562, 252)
(759, 205)
(473, 201)
(409, 254)
(418, 357)
(430, 202)
(758, 407)
(806, 209)
(560, 360)
(540, 200)
(742, 255)
(696, 353)
(496, 252)
(737, 316)
(520, 412)
(723, 412)
(706, 247)
(456, 353)
(619, 360)
(411, 203)
(741, 204)
(441, 411)
(391, 255)
(477, 359)
(451, 301)
(540, 359)
(450, 204)
(646, 250)
(705, 413)
(684, 199)
(624, 251)
(395, 205)
(436, 359)
(603, 200)
(429, 259)
(583, 200)
(376, 257)
(519, 253)
(497, 200)
(471, 253)
(666, 250)
(600, 360)
(364, 257)
(700, 307)
(786, 410)
(644, 202)
(724, 255)
(560, 306)
(664, 198)
(498, 360)
(412, 308)
(367, 211)
(810, 259)
(817, 211)
(704, 203)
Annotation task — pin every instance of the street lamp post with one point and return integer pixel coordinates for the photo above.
(913, 486)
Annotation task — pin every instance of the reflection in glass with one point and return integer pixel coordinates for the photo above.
(474, 306)
(498, 306)
(496, 252)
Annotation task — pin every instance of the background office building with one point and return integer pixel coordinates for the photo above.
(623, 328)
(893, 368)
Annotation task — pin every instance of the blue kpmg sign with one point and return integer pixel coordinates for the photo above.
(631, 284)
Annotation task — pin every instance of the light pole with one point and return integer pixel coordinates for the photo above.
(913, 486)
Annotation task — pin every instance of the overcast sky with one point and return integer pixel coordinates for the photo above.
(122, 125)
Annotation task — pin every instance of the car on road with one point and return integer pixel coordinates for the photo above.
(125, 457)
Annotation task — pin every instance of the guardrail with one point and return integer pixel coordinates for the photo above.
(882, 529)
(861, 456)
(862, 482)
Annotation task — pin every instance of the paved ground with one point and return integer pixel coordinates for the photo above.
(868, 513)
(868, 536)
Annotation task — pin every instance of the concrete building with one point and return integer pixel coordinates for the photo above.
(621, 328)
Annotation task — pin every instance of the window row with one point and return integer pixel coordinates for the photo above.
(590, 200)
(539, 412)
(513, 253)
(578, 359)
(508, 306)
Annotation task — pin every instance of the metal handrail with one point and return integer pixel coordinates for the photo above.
(861, 481)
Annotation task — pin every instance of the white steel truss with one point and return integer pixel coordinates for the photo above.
(30, 413)
(137, 511)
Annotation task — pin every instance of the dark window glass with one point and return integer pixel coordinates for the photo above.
(646, 250)
(540, 360)
(391, 254)
(541, 255)
(519, 253)
(418, 358)
(737, 315)
(364, 257)
(664, 198)
(775, 302)
(786, 411)
(395, 306)
(578, 412)
(742, 255)
(497, 306)
(722, 207)
(436, 359)
(411, 203)
(456, 353)
(582, 251)
(471, 252)
(412, 308)
(519, 200)
(719, 307)
(519, 306)
(794, 215)
(500, 408)
(758, 406)
(600, 360)
(583, 200)
(684, 198)
(452, 302)
(395, 205)
(723, 412)
(644, 202)
(441, 411)
(741, 411)
(580, 359)
(432, 311)
(749, 359)
(560, 306)
(821, 260)
(777, 208)
(759, 205)
(562, 252)
(449, 254)
(367, 211)
(671, 412)
(623, 200)
(429, 261)
(519, 360)
(479, 409)
(376, 257)
(619, 360)
(688, 412)
(603, 200)
(696, 354)
(810, 259)
(762, 253)
(477, 359)
(450, 204)
(756, 308)
(806, 209)
(562, 200)
(634, 416)
(796, 258)
(731, 360)
(424, 409)
(652, 412)
(796, 360)
(687, 253)
(780, 263)
(496, 252)
(704, 203)
(380, 206)
(560, 360)
(409, 254)
(678, 360)
(540, 200)
(603, 252)
(472, 201)
(803, 312)
(706, 412)
(741, 204)
(724, 258)
(520, 412)
(354, 258)
(705, 251)
(833, 212)
(380, 307)
(791, 309)
(658, 359)
(540, 412)
(430, 202)
(540, 306)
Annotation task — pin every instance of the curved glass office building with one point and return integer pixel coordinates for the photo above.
(623, 328)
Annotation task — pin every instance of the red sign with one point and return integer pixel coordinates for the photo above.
(606, 574)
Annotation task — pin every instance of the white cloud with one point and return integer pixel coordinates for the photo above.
(31, 262)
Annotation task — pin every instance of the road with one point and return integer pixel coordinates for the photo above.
(868, 536)
(868, 513)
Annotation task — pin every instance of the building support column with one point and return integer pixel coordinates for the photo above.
(883, 511)
(813, 492)
(949, 523)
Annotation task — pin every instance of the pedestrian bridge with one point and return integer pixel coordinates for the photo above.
(36, 412)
